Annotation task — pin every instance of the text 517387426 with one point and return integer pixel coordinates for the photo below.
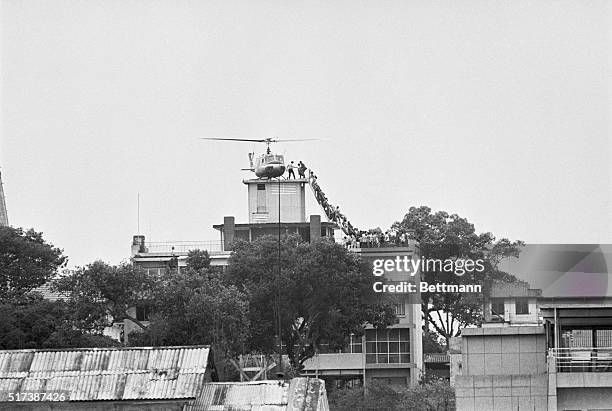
(34, 396)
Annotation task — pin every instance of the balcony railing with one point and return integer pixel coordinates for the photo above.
(583, 359)
(213, 247)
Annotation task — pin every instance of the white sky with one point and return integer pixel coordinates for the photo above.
(498, 111)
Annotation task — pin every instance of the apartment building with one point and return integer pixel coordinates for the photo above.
(279, 207)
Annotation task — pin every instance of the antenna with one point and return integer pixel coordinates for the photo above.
(138, 218)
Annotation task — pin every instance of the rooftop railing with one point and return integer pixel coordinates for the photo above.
(213, 247)
(583, 359)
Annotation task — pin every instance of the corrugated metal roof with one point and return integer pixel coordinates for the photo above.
(304, 394)
(436, 357)
(107, 373)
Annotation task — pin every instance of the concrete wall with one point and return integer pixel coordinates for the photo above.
(501, 392)
(504, 353)
(584, 399)
(292, 201)
(411, 301)
(502, 368)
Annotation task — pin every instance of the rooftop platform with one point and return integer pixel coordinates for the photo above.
(274, 180)
(273, 225)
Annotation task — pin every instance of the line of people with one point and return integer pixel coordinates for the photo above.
(332, 212)
(374, 238)
(353, 236)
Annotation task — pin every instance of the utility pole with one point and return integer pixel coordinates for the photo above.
(278, 289)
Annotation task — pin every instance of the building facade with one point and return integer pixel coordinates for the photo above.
(558, 357)
(277, 207)
(394, 355)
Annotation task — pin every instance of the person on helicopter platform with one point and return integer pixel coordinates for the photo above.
(291, 167)
(301, 169)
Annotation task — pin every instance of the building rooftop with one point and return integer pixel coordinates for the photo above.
(336, 361)
(274, 180)
(303, 394)
(93, 374)
(516, 289)
(275, 224)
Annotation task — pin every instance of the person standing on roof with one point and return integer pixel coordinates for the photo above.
(301, 169)
(290, 167)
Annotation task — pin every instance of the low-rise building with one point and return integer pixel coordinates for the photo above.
(393, 355)
(579, 332)
(511, 304)
(558, 357)
(277, 208)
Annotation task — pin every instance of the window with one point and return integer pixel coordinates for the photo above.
(400, 309)
(388, 346)
(497, 307)
(143, 312)
(355, 345)
(522, 306)
(261, 198)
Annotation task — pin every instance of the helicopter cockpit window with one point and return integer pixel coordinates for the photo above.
(270, 158)
(280, 159)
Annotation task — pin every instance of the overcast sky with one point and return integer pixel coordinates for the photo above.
(498, 111)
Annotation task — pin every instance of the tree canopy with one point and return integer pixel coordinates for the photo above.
(448, 236)
(320, 291)
(100, 294)
(195, 306)
(27, 261)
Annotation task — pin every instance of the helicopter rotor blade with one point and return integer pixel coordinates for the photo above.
(234, 139)
(297, 139)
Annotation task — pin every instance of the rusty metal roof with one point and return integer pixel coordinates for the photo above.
(91, 374)
(436, 357)
(304, 394)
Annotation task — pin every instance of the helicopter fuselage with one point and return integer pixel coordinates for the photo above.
(269, 166)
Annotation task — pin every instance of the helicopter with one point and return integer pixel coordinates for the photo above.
(268, 165)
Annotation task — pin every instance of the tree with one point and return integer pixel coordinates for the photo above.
(448, 236)
(101, 294)
(431, 343)
(198, 260)
(196, 307)
(27, 261)
(319, 294)
(32, 322)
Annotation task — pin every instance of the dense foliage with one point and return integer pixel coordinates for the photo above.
(320, 294)
(100, 294)
(27, 261)
(435, 395)
(448, 236)
(31, 322)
